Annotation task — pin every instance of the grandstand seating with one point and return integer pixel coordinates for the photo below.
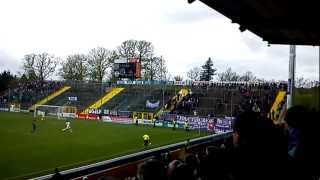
(51, 96)
(134, 98)
(86, 93)
(27, 93)
(107, 97)
(223, 101)
(215, 99)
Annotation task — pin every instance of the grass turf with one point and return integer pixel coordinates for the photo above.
(308, 97)
(25, 154)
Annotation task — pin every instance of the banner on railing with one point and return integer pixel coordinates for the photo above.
(69, 115)
(88, 116)
(152, 105)
(214, 124)
(203, 123)
(117, 119)
(224, 124)
(73, 98)
(4, 109)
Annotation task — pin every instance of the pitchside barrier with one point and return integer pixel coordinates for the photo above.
(99, 167)
(210, 124)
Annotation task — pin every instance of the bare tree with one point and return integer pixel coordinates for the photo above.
(127, 49)
(28, 67)
(41, 65)
(99, 60)
(155, 69)
(137, 49)
(248, 76)
(302, 82)
(143, 50)
(75, 67)
(163, 71)
(178, 78)
(228, 75)
(194, 73)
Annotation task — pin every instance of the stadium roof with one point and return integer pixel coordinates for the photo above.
(275, 21)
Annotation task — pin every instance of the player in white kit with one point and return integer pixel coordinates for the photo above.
(68, 127)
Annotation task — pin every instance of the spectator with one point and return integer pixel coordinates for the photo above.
(192, 161)
(151, 170)
(172, 166)
(215, 164)
(303, 143)
(256, 148)
(182, 171)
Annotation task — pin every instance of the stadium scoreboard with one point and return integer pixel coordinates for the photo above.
(124, 68)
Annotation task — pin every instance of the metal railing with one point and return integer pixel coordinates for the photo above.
(107, 164)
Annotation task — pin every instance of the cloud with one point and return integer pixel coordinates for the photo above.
(253, 42)
(7, 62)
(184, 34)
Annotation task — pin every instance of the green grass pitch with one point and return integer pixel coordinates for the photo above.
(25, 154)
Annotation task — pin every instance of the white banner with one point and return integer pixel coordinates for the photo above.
(106, 119)
(4, 109)
(69, 115)
(152, 105)
(73, 98)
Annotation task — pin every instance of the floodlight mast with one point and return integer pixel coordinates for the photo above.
(291, 79)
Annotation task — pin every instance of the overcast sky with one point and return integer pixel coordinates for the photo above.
(184, 34)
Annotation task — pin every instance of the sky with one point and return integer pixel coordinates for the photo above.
(184, 34)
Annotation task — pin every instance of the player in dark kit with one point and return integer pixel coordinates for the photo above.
(34, 125)
(174, 124)
(186, 125)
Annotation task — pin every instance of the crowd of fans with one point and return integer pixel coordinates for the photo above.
(238, 95)
(260, 150)
(28, 92)
(188, 104)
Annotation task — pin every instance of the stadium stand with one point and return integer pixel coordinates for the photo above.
(51, 96)
(107, 97)
(134, 98)
(80, 95)
(30, 92)
(220, 99)
(177, 99)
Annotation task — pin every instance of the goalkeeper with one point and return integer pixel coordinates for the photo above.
(146, 140)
